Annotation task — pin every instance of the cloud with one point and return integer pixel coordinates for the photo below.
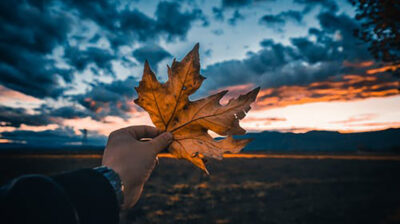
(81, 59)
(15, 117)
(343, 88)
(99, 102)
(264, 120)
(9, 97)
(130, 24)
(67, 112)
(376, 125)
(327, 5)
(30, 31)
(53, 138)
(173, 22)
(208, 52)
(218, 13)
(153, 53)
(313, 52)
(302, 63)
(337, 36)
(32, 25)
(236, 3)
(292, 15)
(332, 67)
(271, 66)
(279, 20)
(34, 31)
(356, 119)
(387, 68)
(42, 116)
(218, 32)
(122, 25)
(228, 5)
(109, 99)
(272, 20)
(235, 17)
(134, 25)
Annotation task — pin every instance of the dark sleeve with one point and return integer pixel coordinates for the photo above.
(84, 196)
(92, 195)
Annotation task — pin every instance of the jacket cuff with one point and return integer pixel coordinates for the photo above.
(91, 194)
(115, 181)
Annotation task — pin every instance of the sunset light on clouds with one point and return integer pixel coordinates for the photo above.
(79, 70)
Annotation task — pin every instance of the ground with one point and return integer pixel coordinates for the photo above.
(245, 190)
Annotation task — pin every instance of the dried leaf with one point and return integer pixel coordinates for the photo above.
(171, 110)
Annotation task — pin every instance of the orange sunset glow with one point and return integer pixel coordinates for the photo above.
(283, 108)
(319, 77)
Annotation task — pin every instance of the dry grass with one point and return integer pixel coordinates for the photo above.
(253, 190)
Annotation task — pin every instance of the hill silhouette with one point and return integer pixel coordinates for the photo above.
(386, 140)
(270, 141)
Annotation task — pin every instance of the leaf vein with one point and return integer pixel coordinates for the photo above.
(212, 115)
(177, 101)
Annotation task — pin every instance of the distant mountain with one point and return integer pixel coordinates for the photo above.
(270, 141)
(386, 140)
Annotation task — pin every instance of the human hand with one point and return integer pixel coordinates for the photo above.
(132, 159)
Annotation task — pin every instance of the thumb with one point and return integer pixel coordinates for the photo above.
(162, 141)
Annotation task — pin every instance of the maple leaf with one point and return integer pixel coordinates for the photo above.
(171, 110)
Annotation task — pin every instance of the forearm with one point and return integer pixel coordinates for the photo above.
(83, 196)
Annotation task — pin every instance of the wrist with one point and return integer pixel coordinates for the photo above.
(114, 180)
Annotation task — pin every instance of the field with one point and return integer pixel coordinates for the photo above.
(281, 189)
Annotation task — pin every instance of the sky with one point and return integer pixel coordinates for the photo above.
(71, 65)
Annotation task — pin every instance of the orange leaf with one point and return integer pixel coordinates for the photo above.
(171, 110)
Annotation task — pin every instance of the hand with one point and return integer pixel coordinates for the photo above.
(132, 159)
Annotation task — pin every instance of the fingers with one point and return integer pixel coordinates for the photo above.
(142, 131)
(161, 142)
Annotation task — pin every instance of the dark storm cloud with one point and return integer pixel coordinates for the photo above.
(229, 5)
(81, 59)
(106, 92)
(151, 52)
(122, 27)
(44, 115)
(272, 20)
(302, 63)
(235, 17)
(36, 27)
(281, 18)
(171, 20)
(292, 15)
(328, 5)
(241, 3)
(29, 32)
(104, 99)
(32, 30)
(126, 25)
(236, 3)
(312, 52)
(15, 117)
(218, 13)
(274, 65)
(134, 24)
(68, 112)
(53, 138)
(337, 32)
